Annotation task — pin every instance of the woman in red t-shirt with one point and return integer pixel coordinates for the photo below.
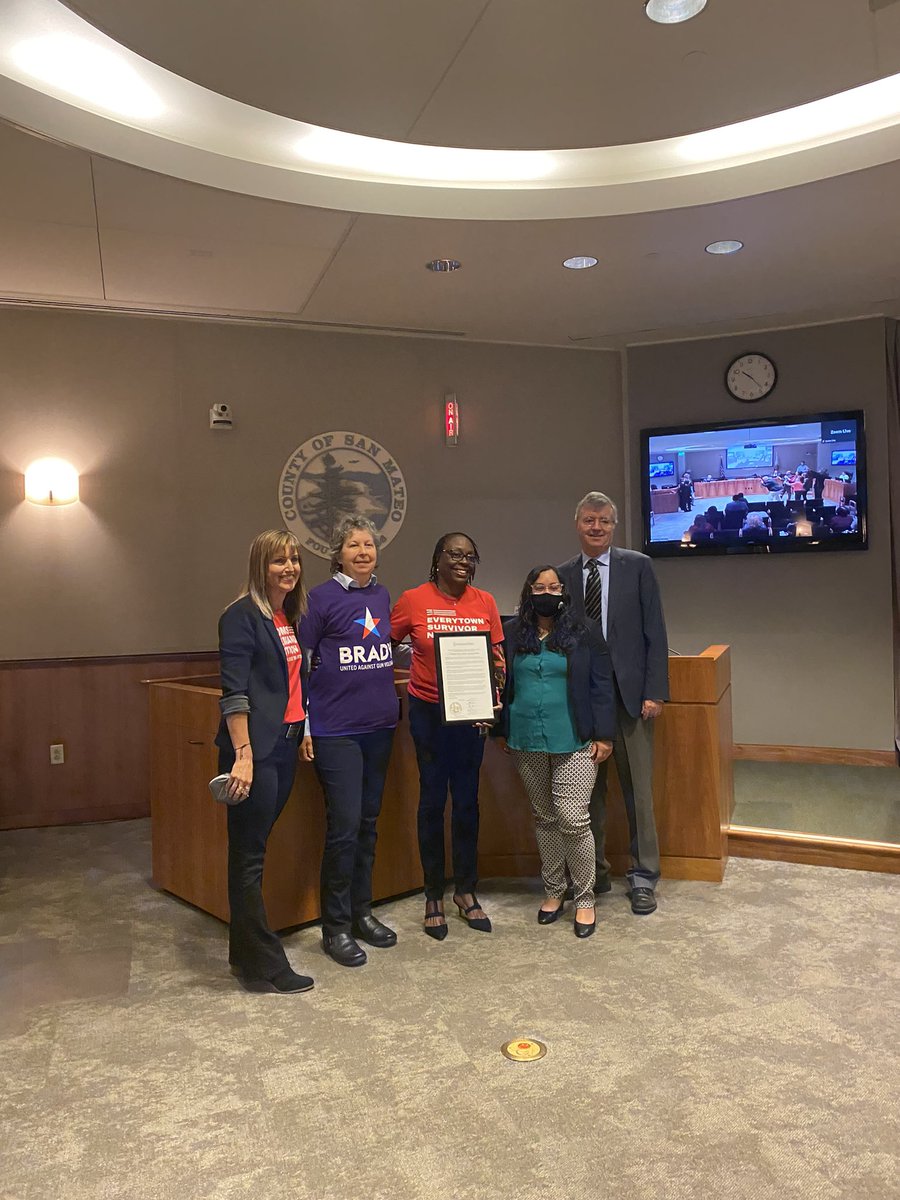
(448, 755)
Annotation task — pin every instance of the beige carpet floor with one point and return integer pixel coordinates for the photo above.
(742, 1044)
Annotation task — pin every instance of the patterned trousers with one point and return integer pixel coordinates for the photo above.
(559, 787)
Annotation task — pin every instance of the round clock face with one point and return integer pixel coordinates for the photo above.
(751, 377)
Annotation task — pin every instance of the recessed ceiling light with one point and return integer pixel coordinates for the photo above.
(726, 247)
(444, 264)
(580, 262)
(671, 12)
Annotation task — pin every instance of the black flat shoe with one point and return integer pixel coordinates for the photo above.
(286, 983)
(481, 923)
(546, 917)
(371, 930)
(583, 930)
(433, 909)
(643, 901)
(343, 949)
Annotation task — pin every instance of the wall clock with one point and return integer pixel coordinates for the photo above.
(750, 377)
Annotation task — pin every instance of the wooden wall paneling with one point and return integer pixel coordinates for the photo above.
(98, 709)
(831, 755)
(782, 846)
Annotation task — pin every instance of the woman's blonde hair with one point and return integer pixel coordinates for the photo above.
(265, 547)
(343, 531)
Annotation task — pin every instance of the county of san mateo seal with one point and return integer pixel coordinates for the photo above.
(337, 475)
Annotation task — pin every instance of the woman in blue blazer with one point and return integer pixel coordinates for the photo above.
(558, 721)
(263, 713)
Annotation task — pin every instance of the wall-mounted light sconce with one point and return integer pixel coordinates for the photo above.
(451, 420)
(51, 481)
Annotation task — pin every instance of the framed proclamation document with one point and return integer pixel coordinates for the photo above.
(465, 677)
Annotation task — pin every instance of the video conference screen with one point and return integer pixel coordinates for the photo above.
(761, 487)
(662, 470)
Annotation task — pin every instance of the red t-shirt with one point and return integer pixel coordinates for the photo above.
(292, 652)
(423, 611)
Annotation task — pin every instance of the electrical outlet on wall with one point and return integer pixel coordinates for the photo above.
(57, 754)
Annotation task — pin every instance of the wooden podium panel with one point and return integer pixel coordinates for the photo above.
(692, 785)
(190, 834)
(693, 800)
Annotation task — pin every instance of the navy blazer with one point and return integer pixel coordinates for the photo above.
(589, 678)
(254, 675)
(635, 626)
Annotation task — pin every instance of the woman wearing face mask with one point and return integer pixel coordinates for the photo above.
(448, 755)
(558, 723)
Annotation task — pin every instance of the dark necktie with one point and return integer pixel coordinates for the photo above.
(593, 593)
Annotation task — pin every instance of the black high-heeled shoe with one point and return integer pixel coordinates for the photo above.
(433, 909)
(482, 923)
(548, 916)
(584, 929)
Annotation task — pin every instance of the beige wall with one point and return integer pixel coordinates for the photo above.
(811, 634)
(158, 546)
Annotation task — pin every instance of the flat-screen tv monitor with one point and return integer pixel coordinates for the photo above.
(662, 472)
(758, 487)
(750, 457)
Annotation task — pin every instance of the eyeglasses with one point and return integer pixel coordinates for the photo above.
(605, 522)
(458, 556)
(540, 589)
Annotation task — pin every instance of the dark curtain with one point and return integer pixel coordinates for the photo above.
(892, 347)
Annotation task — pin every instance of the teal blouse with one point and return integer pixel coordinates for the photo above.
(539, 716)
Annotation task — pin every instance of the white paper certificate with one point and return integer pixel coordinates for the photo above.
(465, 676)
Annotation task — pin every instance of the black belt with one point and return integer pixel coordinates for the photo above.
(294, 730)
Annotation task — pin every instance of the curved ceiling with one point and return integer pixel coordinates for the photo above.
(514, 74)
(81, 226)
(63, 77)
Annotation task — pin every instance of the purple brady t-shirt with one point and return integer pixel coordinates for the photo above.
(351, 684)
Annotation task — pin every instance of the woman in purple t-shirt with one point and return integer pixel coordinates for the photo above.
(353, 711)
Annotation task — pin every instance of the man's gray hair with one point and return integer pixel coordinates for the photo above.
(596, 500)
(343, 530)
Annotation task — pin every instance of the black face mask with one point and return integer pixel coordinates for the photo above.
(545, 604)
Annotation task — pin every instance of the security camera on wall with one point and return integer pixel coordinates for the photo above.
(221, 417)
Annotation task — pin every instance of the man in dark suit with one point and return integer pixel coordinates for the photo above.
(618, 589)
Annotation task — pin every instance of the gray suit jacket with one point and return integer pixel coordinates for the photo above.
(635, 626)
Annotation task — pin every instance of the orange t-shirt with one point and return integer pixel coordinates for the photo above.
(292, 652)
(424, 611)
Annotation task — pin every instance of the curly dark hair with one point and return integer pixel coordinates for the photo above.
(438, 550)
(566, 627)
